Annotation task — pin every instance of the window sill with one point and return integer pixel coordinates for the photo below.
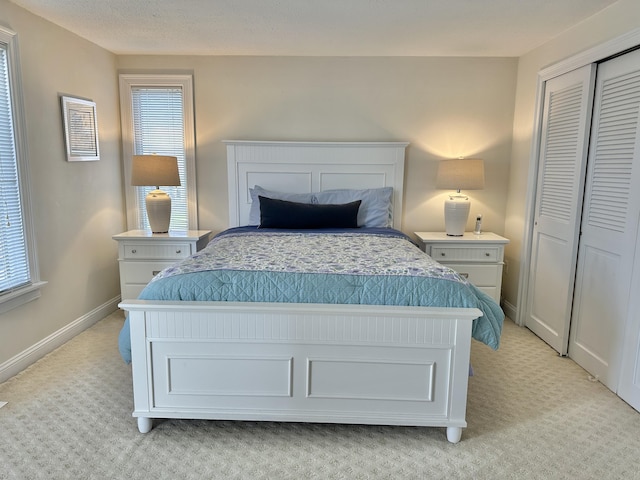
(19, 297)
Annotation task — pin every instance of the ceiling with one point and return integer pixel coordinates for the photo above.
(317, 27)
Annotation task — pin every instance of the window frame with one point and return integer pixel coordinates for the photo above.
(31, 291)
(129, 81)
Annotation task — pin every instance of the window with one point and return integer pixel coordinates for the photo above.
(19, 281)
(157, 117)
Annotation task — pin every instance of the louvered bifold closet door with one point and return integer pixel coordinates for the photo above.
(609, 222)
(562, 163)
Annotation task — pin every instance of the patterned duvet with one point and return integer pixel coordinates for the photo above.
(360, 266)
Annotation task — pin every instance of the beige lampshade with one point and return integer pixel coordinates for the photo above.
(155, 170)
(461, 174)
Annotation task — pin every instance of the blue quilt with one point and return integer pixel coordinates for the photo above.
(357, 266)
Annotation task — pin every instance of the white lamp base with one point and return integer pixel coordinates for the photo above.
(456, 213)
(158, 210)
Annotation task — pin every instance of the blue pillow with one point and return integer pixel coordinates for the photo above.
(375, 210)
(293, 215)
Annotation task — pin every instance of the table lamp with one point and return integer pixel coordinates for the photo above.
(156, 170)
(459, 174)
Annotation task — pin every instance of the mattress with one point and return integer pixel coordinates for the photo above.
(372, 266)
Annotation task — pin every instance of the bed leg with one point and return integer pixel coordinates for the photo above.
(144, 424)
(454, 434)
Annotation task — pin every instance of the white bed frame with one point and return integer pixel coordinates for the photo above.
(303, 362)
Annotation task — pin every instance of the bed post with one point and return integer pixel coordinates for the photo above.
(139, 370)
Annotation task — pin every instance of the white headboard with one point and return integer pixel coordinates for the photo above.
(305, 167)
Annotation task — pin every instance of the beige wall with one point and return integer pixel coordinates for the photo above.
(446, 107)
(77, 206)
(620, 18)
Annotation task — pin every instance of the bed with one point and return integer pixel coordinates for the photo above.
(338, 357)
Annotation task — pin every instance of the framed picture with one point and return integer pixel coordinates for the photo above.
(80, 129)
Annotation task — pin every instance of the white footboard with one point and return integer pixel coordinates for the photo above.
(301, 362)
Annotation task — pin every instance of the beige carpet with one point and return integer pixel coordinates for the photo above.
(531, 414)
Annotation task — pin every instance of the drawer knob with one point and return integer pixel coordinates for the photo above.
(487, 254)
(443, 254)
(133, 251)
(155, 272)
(178, 251)
(464, 275)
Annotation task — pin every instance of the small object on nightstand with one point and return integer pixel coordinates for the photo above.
(142, 255)
(479, 258)
(478, 229)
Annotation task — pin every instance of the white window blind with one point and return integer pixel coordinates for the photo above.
(14, 261)
(158, 127)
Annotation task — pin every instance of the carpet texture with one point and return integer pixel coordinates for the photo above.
(531, 415)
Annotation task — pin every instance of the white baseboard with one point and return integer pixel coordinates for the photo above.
(510, 310)
(34, 353)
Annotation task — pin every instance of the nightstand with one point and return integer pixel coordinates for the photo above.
(479, 258)
(142, 255)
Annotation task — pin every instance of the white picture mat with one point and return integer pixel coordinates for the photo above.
(80, 129)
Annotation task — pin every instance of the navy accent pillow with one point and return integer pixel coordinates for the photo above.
(284, 214)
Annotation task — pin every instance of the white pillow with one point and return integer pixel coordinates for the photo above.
(375, 209)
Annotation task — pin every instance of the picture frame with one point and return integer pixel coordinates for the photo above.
(80, 129)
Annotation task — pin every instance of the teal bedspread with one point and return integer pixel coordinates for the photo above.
(362, 266)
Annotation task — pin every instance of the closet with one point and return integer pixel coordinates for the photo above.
(584, 273)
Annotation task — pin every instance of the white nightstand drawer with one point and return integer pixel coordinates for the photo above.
(158, 250)
(142, 255)
(479, 275)
(142, 272)
(492, 292)
(480, 258)
(465, 254)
